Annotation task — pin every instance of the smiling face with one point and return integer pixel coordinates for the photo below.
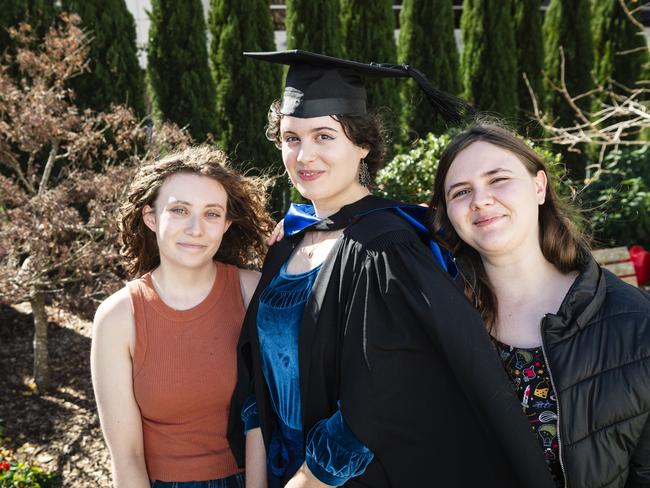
(189, 220)
(321, 161)
(493, 201)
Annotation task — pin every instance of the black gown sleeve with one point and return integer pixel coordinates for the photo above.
(421, 384)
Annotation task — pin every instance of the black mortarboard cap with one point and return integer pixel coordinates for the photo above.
(320, 85)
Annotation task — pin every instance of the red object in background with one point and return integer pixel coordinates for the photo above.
(4, 466)
(641, 260)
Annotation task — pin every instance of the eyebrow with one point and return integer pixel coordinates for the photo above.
(315, 129)
(487, 173)
(182, 202)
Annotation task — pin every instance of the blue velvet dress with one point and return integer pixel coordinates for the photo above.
(332, 452)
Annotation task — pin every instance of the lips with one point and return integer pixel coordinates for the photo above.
(309, 175)
(192, 246)
(486, 220)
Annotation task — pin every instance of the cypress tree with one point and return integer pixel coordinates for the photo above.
(245, 88)
(368, 32)
(179, 78)
(620, 49)
(314, 26)
(488, 59)
(567, 26)
(427, 42)
(115, 75)
(40, 15)
(530, 54)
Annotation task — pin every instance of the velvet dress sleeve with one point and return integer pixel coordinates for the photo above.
(333, 453)
(421, 385)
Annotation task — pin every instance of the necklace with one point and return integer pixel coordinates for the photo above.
(314, 242)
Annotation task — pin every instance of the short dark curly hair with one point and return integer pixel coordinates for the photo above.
(245, 242)
(366, 131)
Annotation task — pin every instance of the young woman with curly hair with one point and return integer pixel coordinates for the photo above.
(164, 347)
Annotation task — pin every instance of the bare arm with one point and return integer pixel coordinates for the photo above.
(305, 479)
(255, 459)
(111, 366)
(248, 281)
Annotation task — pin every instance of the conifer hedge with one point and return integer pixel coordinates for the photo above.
(488, 59)
(567, 26)
(314, 26)
(530, 55)
(115, 75)
(178, 73)
(427, 42)
(244, 88)
(368, 33)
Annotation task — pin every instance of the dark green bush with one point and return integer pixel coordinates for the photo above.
(618, 201)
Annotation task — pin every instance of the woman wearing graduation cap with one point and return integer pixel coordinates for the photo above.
(361, 363)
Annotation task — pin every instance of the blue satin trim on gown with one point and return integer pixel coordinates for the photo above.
(302, 215)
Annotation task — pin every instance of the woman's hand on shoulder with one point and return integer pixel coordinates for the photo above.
(248, 280)
(277, 234)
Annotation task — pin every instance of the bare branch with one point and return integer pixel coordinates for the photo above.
(48, 166)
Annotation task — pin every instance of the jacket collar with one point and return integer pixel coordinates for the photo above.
(582, 301)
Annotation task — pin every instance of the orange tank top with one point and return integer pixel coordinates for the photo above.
(184, 373)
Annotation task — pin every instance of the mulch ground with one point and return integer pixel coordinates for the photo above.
(59, 430)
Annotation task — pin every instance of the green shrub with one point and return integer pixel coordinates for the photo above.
(618, 201)
(16, 474)
(409, 176)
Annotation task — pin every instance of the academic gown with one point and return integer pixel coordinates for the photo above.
(389, 334)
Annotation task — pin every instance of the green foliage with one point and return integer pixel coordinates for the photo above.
(314, 26)
(115, 75)
(245, 88)
(488, 59)
(40, 14)
(409, 176)
(368, 32)
(618, 202)
(620, 50)
(16, 474)
(178, 73)
(530, 54)
(567, 27)
(427, 42)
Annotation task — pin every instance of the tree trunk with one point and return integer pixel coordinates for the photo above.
(41, 362)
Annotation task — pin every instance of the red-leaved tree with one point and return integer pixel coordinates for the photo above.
(62, 175)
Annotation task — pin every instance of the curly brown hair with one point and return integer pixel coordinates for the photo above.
(365, 131)
(244, 244)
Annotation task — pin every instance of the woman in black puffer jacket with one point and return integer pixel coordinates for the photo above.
(574, 339)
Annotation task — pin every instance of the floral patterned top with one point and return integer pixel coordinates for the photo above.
(529, 374)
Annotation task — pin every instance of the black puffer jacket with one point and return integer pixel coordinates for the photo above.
(598, 352)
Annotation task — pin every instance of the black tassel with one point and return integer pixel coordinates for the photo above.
(452, 109)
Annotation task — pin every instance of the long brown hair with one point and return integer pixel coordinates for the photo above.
(561, 241)
(243, 244)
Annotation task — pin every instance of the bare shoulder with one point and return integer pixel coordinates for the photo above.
(248, 281)
(114, 317)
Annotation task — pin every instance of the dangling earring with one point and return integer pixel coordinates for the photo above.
(364, 173)
(289, 182)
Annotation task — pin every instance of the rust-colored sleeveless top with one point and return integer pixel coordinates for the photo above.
(184, 373)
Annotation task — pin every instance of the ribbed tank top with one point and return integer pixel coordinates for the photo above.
(184, 373)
